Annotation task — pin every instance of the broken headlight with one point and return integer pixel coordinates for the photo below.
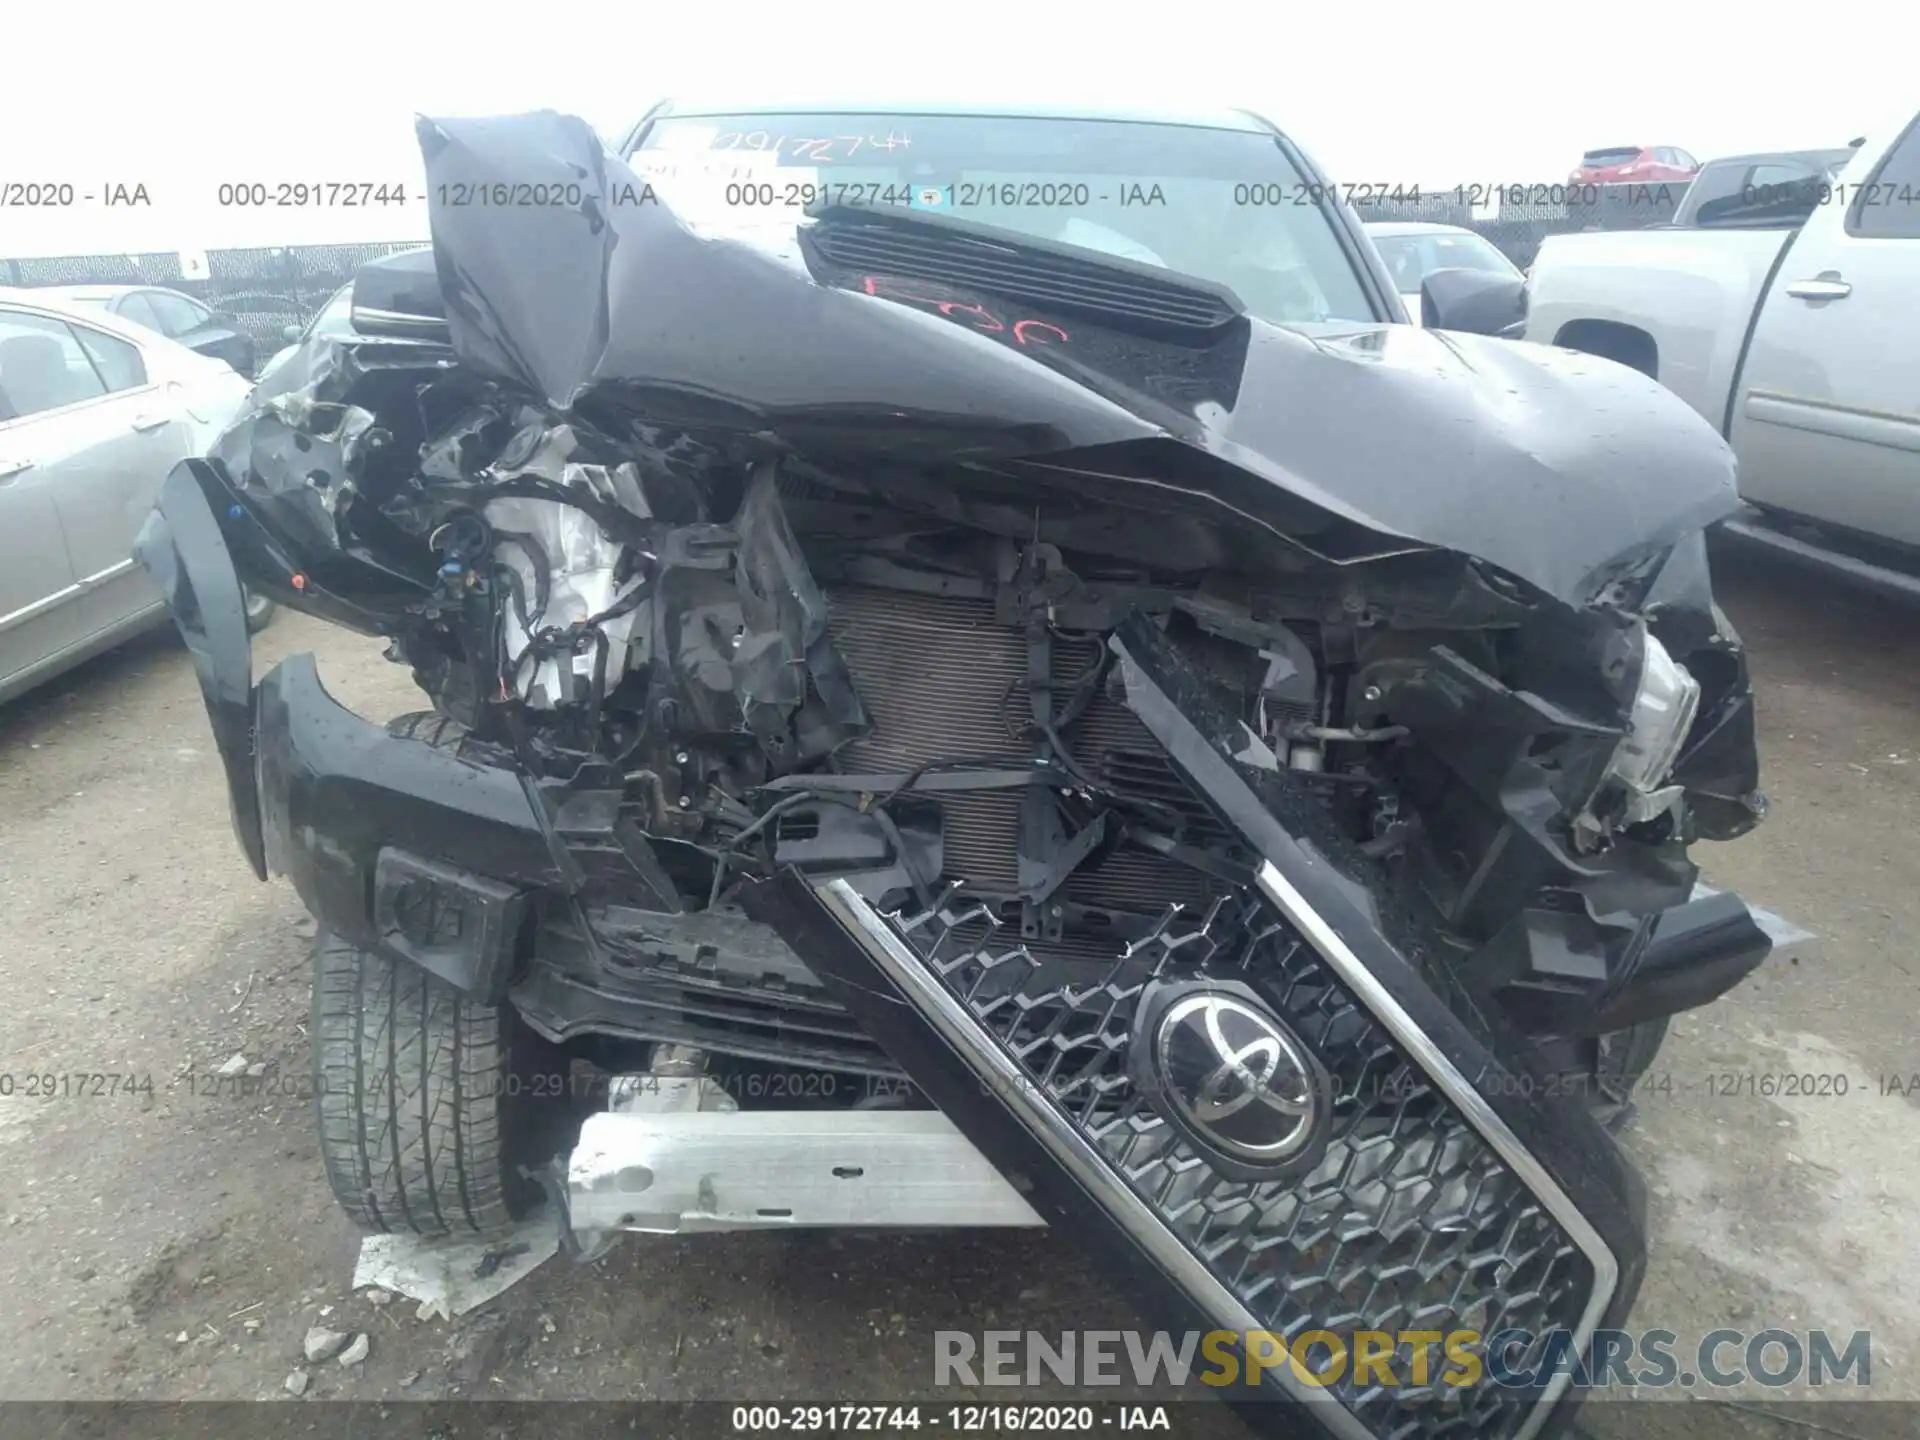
(1664, 706)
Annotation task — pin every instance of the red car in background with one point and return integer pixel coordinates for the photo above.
(1633, 164)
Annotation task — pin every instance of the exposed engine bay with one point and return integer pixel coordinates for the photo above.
(754, 661)
(874, 640)
(1223, 786)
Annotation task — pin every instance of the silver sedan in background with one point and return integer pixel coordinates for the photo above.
(94, 411)
(1414, 249)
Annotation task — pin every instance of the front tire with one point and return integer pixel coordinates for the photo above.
(414, 1098)
(260, 611)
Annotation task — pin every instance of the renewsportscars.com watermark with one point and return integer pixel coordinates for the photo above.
(1418, 1359)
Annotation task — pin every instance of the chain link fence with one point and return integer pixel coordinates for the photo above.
(265, 290)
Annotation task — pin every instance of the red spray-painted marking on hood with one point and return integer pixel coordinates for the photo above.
(1029, 333)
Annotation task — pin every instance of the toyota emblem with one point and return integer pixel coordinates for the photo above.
(1235, 1079)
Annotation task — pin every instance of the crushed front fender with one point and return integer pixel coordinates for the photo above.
(182, 548)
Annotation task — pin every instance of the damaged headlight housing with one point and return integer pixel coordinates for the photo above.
(1664, 706)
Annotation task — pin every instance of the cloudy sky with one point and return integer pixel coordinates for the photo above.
(200, 93)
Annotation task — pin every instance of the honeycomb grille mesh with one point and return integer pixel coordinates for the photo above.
(1410, 1223)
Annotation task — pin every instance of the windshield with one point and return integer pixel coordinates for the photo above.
(1619, 155)
(1222, 205)
(1411, 258)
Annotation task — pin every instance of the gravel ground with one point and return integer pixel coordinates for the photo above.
(179, 1241)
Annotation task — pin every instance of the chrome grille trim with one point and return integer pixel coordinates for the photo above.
(1368, 990)
(1160, 719)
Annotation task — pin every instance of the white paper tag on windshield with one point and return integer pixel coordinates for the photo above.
(729, 189)
(683, 136)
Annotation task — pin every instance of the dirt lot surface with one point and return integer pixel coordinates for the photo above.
(178, 1241)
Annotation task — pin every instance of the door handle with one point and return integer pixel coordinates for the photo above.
(11, 468)
(150, 422)
(1821, 287)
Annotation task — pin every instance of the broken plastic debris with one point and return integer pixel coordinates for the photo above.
(451, 1277)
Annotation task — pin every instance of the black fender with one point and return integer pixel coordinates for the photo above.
(182, 548)
(358, 818)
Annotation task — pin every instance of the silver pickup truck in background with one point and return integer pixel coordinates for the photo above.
(1788, 314)
(1774, 189)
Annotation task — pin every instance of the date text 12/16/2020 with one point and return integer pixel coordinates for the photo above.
(894, 1419)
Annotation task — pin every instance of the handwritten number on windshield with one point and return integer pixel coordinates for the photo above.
(811, 150)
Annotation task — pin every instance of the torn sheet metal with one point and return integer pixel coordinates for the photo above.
(451, 1277)
(546, 337)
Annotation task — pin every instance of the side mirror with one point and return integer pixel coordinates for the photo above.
(398, 297)
(1474, 301)
(290, 333)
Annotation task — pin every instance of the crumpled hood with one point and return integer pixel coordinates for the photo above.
(1559, 468)
(1556, 466)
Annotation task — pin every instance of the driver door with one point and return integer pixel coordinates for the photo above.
(39, 600)
(90, 438)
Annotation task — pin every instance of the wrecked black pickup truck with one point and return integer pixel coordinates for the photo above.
(954, 709)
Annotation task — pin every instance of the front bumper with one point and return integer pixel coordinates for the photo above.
(1455, 1192)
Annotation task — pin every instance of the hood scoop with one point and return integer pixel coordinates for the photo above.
(1122, 294)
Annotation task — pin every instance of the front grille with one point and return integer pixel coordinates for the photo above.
(1411, 1222)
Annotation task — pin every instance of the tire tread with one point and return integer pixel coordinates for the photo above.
(410, 1079)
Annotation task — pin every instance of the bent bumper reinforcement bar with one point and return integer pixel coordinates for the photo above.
(670, 1174)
